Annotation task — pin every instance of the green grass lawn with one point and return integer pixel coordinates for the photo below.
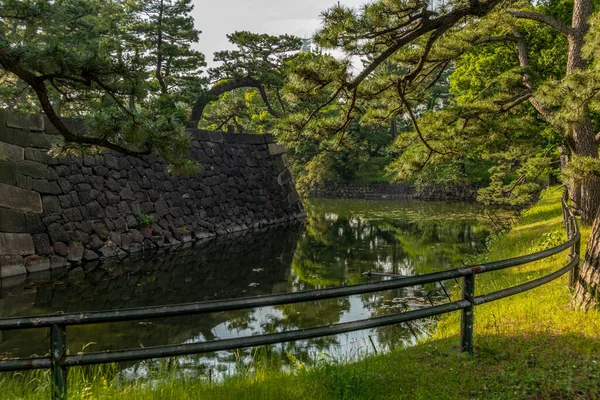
(529, 346)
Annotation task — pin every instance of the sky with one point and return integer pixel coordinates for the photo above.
(217, 18)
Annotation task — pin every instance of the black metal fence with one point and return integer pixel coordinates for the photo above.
(58, 360)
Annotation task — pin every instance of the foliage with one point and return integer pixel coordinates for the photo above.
(581, 167)
(144, 219)
(81, 58)
(253, 74)
(162, 32)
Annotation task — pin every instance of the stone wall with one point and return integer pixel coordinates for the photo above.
(399, 191)
(59, 211)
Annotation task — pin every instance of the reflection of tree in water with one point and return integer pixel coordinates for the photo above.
(342, 241)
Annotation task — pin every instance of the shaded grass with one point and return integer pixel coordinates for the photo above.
(529, 346)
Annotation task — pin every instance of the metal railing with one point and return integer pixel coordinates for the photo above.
(58, 361)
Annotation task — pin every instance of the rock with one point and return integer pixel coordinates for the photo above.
(61, 249)
(11, 265)
(36, 263)
(75, 252)
(89, 255)
(109, 249)
(51, 204)
(95, 242)
(127, 194)
(41, 243)
(57, 233)
(57, 261)
(94, 210)
(20, 199)
(16, 243)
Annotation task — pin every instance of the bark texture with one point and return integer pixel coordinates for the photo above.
(587, 286)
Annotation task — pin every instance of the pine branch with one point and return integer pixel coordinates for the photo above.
(227, 86)
(38, 86)
(438, 25)
(416, 125)
(542, 18)
(495, 39)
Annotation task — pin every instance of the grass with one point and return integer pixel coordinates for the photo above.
(529, 346)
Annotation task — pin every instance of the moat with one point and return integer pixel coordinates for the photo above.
(339, 240)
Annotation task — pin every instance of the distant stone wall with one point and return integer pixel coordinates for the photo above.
(59, 211)
(401, 191)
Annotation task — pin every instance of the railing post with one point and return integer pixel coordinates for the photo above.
(58, 349)
(466, 323)
(577, 253)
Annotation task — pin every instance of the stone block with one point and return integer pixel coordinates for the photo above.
(42, 141)
(60, 249)
(10, 152)
(284, 159)
(75, 252)
(89, 255)
(57, 233)
(33, 169)
(284, 177)
(16, 243)
(11, 265)
(20, 199)
(276, 149)
(12, 221)
(216, 137)
(34, 223)
(127, 194)
(36, 263)
(52, 204)
(15, 136)
(110, 249)
(293, 198)
(268, 138)
(41, 243)
(8, 172)
(94, 210)
(57, 262)
(34, 155)
(243, 138)
(203, 136)
(45, 187)
(25, 121)
(72, 214)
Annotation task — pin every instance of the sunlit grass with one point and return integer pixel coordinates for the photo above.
(529, 346)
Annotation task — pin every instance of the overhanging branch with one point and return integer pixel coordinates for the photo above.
(225, 87)
(543, 18)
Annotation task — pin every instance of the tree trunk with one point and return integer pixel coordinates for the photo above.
(583, 132)
(588, 201)
(587, 284)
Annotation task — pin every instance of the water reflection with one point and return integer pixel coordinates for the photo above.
(339, 241)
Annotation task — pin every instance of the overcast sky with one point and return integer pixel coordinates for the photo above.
(216, 18)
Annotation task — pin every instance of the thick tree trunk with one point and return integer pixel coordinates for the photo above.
(588, 202)
(583, 135)
(587, 285)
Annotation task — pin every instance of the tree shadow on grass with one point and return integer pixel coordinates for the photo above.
(539, 366)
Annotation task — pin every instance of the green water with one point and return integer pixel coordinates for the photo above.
(339, 240)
